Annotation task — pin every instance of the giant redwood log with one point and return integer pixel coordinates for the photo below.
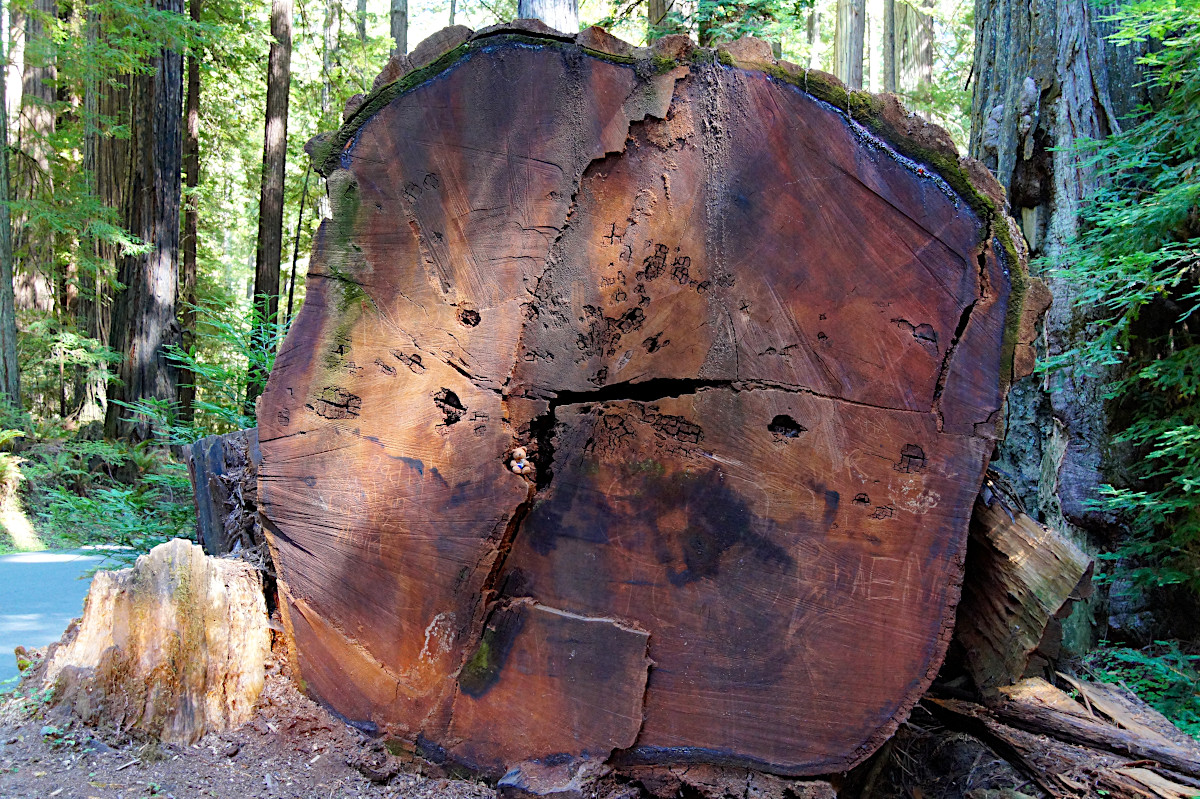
(753, 333)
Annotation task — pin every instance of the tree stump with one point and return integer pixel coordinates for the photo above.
(638, 405)
(174, 647)
(224, 473)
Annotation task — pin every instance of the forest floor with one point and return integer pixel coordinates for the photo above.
(291, 748)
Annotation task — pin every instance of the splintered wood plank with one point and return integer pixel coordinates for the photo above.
(1024, 577)
(755, 357)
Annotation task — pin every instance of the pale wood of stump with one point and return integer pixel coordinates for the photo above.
(174, 647)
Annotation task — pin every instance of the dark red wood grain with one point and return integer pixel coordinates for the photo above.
(755, 356)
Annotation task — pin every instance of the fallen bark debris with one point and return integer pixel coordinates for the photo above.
(1106, 740)
(1022, 578)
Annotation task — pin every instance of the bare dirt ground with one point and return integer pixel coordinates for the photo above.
(292, 748)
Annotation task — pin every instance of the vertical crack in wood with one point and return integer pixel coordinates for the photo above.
(964, 320)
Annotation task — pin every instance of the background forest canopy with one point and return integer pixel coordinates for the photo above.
(130, 225)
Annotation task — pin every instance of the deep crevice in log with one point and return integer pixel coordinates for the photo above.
(964, 319)
(542, 427)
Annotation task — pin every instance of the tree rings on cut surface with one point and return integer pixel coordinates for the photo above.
(753, 350)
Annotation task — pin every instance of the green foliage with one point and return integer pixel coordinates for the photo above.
(53, 354)
(1136, 269)
(90, 491)
(58, 737)
(767, 19)
(224, 362)
(1165, 677)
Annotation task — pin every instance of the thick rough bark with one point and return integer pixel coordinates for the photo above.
(38, 282)
(224, 473)
(1022, 579)
(10, 380)
(143, 318)
(270, 208)
(755, 425)
(174, 647)
(1042, 82)
(105, 161)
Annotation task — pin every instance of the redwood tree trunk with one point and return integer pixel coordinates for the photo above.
(561, 15)
(330, 31)
(143, 320)
(657, 24)
(191, 218)
(10, 381)
(913, 38)
(398, 18)
(105, 161)
(33, 245)
(813, 37)
(1040, 87)
(270, 214)
(848, 42)
(889, 46)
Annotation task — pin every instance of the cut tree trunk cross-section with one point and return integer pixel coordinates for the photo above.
(753, 346)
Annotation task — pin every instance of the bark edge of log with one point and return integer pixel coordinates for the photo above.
(884, 115)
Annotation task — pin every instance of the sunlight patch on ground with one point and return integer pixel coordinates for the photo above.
(20, 531)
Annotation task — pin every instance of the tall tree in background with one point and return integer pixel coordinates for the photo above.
(32, 178)
(1042, 81)
(270, 209)
(848, 42)
(331, 31)
(657, 24)
(10, 382)
(398, 19)
(143, 318)
(106, 107)
(562, 15)
(191, 222)
(813, 37)
(889, 46)
(913, 42)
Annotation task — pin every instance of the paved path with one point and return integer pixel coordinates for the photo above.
(40, 592)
